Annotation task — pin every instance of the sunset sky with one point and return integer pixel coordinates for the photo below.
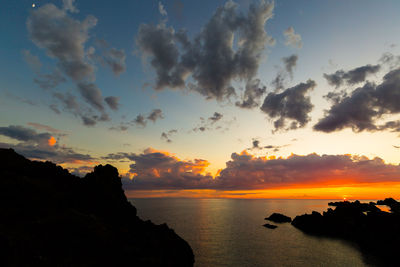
(244, 99)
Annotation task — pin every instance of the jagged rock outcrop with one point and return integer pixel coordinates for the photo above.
(375, 231)
(278, 218)
(49, 217)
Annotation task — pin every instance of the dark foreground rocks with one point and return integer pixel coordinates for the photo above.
(278, 218)
(270, 226)
(49, 217)
(376, 232)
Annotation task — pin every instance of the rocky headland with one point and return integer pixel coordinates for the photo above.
(52, 218)
(376, 232)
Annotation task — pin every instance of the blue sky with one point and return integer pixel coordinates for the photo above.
(332, 36)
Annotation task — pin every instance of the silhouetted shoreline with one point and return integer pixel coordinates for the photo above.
(376, 232)
(52, 218)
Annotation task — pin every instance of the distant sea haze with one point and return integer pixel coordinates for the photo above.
(229, 232)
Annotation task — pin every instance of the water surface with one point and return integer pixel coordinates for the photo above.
(229, 232)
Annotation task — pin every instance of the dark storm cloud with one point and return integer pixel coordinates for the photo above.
(209, 58)
(166, 136)
(292, 104)
(252, 95)
(292, 39)
(351, 77)
(112, 102)
(290, 62)
(361, 109)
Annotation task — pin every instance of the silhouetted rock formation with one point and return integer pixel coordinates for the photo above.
(278, 218)
(52, 218)
(270, 226)
(375, 231)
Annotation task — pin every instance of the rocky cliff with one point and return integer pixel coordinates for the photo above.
(52, 218)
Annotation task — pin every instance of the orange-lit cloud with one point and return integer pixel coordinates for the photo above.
(159, 171)
(51, 141)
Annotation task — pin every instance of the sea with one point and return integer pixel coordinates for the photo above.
(230, 232)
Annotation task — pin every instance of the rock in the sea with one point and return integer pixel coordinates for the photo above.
(278, 218)
(49, 217)
(270, 226)
(376, 232)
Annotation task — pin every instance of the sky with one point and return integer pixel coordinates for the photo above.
(240, 99)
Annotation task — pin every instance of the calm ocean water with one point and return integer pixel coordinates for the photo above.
(229, 232)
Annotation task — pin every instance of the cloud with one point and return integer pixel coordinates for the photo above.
(50, 80)
(292, 39)
(39, 126)
(256, 146)
(362, 108)
(63, 38)
(155, 115)
(112, 102)
(245, 171)
(252, 95)
(157, 170)
(140, 120)
(161, 9)
(32, 60)
(108, 56)
(166, 136)
(9, 95)
(282, 75)
(154, 169)
(215, 117)
(68, 5)
(351, 77)
(290, 62)
(92, 95)
(21, 133)
(292, 104)
(210, 58)
(391, 60)
(42, 146)
(213, 122)
(115, 58)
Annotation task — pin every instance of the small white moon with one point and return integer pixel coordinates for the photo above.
(33, 5)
